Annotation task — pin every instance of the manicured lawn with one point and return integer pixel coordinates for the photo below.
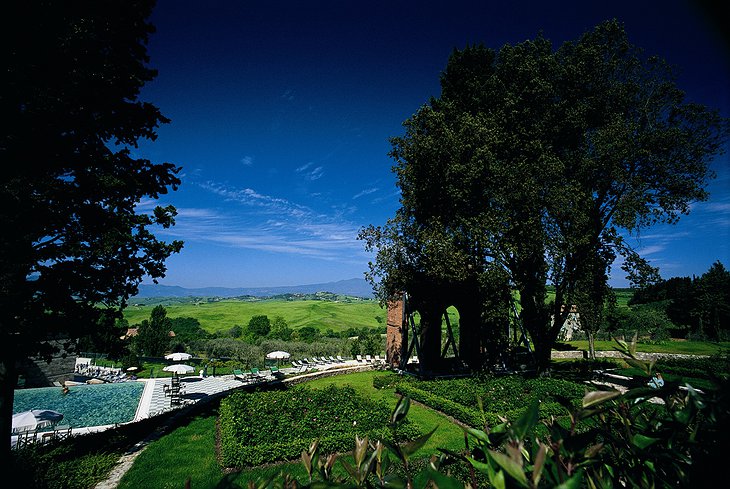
(189, 451)
(676, 347)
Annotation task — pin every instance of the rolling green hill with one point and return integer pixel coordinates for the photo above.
(221, 315)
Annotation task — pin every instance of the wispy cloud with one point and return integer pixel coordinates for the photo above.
(652, 250)
(247, 160)
(364, 192)
(271, 224)
(311, 173)
(720, 207)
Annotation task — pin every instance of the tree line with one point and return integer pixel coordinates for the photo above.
(688, 307)
(246, 345)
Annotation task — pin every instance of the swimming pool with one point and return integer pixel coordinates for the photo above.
(85, 405)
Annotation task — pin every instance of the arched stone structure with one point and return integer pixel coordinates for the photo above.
(482, 336)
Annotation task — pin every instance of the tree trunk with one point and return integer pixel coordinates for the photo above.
(470, 334)
(536, 322)
(591, 345)
(8, 380)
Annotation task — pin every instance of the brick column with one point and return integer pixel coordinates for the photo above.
(397, 333)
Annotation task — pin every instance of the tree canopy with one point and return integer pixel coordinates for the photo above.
(76, 242)
(532, 163)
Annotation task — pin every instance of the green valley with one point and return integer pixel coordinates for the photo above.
(219, 315)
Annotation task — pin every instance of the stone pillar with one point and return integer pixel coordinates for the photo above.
(397, 334)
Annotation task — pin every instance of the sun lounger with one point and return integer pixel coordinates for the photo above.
(239, 374)
(257, 375)
(340, 359)
(332, 359)
(368, 359)
(360, 359)
(378, 359)
(63, 431)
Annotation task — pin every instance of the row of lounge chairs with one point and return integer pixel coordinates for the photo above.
(255, 375)
(318, 361)
(300, 366)
(375, 360)
(107, 374)
(60, 432)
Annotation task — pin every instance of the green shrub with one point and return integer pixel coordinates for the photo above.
(287, 421)
(461, 398)
(386, 381)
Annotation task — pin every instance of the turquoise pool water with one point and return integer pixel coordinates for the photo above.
(84, 405)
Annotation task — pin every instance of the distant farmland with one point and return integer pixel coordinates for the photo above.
(222, 315)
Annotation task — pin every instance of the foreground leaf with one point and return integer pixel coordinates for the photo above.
(510, 466)
(598, 397)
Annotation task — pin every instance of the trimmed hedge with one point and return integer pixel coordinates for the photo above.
(264, 427)
(459, 398)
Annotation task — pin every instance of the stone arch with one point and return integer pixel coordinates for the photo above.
(482, 338)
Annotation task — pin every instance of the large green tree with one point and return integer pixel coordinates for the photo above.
(534, 161)
(153, 335)
(75, 245)
(259, 326)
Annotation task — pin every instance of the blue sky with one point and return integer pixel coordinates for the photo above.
(281, 113)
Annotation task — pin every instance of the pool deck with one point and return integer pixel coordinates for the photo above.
(154, 401)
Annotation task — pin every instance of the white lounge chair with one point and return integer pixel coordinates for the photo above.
(360, 359)
(368, 359)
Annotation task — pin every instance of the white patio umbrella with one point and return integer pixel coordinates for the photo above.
(34, 419)
(179, 368)
(179, 356)
(277, 355)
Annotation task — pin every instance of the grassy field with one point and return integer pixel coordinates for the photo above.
(224, 314)
(221, 315)
(672, 347)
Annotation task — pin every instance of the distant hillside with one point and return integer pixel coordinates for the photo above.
(355, 287)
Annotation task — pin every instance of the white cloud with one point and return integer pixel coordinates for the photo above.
(722, 207)
(364, 192)
(272, 224)
(651, 250)
(313, 174)
(303, 167)
(247, 160)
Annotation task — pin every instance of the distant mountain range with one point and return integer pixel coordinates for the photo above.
(356, 287)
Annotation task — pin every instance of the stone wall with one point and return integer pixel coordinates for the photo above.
(39, 373)
(616, 354)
